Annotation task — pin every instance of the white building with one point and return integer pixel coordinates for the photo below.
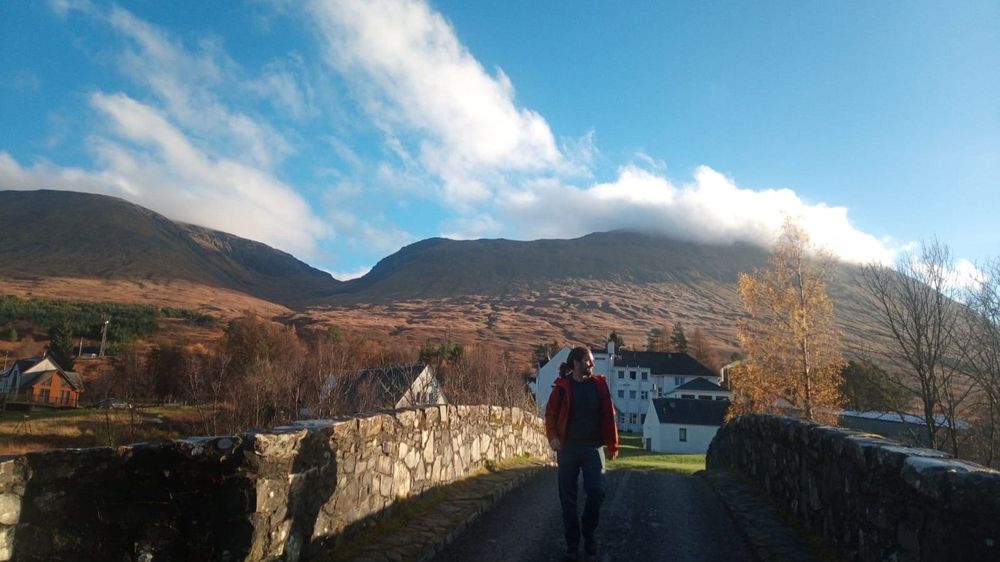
(700, 389)
(682, 425)
(634, 378)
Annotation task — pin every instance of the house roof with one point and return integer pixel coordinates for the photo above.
(375, 388)
(700, 384)
(36, 377)
(663, 363)
(692, 412)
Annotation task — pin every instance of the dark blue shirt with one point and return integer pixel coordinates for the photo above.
(584, 424)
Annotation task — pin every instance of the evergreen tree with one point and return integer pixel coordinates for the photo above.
(677, 339)
(619, 341)
(61, 345)
(12, 335)
(866, 386)
(656, 340)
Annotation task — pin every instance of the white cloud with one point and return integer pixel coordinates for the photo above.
(185, 151)
(482, 225)
(965, 276)
(371, 234)
(64, 7)
(191, 85)
(151, 163)
(417, 80)
(710, 209)
(350, 274)
(283, 85)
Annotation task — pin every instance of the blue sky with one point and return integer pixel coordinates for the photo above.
(341, 130)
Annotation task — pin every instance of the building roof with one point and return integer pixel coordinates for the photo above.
(374, 388)
(900, 418)
(36, 377)
(663, 363)
(700, 384)
(691, 412)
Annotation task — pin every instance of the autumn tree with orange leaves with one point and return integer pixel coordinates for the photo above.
(788, 336)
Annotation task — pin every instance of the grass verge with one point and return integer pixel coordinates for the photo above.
(632, 456)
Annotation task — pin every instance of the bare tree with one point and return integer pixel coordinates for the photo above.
(914, 307)
(981, 355)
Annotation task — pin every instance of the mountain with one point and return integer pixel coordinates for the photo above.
(439, 267)
(520, 294)
(516, 294)
(78, 235)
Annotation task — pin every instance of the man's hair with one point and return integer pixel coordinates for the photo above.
(578, 353)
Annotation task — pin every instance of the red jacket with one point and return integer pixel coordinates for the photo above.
(557, 411)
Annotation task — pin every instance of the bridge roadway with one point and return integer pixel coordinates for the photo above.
(646, 516)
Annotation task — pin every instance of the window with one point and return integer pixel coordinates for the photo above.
(631, 394)
(678, 380)
(43, 395)
(621, 394)
(704, 397)
(645, 376)
(621, 419)
(690, 396)
(682, 435)
(631, 375)
(631, 418)
(643, 418)
(621, 374)
(644, 395)
(64, 397)
(721, 398)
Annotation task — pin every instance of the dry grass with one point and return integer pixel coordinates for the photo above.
(583, 311)
(222, 303)
(23, 432)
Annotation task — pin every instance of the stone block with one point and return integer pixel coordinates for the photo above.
(10, 509)
(928, 476)
(6, 543)
(402, 482)
(12, 475)
(429, 447)
(271, 445)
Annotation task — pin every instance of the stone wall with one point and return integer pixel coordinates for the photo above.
(871, 498)
(275, 495)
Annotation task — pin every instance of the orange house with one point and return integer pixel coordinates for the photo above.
(39, 380)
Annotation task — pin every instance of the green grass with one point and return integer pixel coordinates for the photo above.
(631, 456)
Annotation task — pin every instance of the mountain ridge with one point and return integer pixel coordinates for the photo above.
(516, 293)
(52, 233)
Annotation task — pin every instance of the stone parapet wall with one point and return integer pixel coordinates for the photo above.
(281, 494)
(872, 498)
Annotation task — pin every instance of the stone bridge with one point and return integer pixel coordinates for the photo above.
(871, 498)
(285, 494)
(293, 493)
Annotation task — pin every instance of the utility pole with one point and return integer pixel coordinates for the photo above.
(104, 336)
(80, 353)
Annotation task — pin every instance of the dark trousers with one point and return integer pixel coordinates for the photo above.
(574, 459)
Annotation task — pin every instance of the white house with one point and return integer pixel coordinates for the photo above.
(634, 377)
(682, 425)
(700, 389)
